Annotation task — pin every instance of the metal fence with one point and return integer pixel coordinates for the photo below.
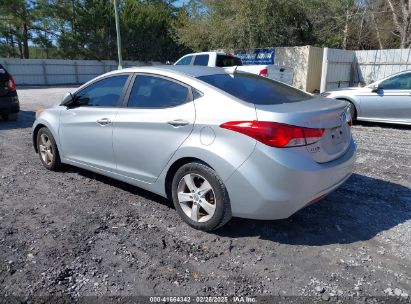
(59, 71)
(342, 68)
(336, 69)
(313, 68)
(377, 64)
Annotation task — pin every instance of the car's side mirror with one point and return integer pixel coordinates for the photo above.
(375, 88)
(67, 100)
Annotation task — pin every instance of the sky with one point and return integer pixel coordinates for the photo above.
(180, 2)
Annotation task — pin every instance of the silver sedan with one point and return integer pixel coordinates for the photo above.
(217, 143)
(387, 100)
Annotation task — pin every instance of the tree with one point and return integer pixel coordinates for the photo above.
(19, 17)
(401, 17)
(206, 24)
(145, 29)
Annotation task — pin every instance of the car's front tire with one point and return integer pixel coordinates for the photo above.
(200, 197)
(47, 149)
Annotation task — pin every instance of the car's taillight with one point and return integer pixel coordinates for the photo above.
(11, 84)
(264, 72)
(275, 134)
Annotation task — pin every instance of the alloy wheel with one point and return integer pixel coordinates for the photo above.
(46, 149)
(196, 197)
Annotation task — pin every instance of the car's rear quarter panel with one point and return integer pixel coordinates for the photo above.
(223, 150)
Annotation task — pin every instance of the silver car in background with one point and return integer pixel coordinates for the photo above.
(387, 100)
(218, 143)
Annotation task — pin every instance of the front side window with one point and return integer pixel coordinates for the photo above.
(400, 82)
(184, 61)
(255, 89)
(201, 60)
(156, 92)
(102, 93)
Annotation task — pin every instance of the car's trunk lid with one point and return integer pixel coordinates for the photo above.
(319, 113)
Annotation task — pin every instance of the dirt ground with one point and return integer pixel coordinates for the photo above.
(77, 233)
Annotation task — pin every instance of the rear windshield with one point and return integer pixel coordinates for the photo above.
(4, 76)
(227, 61)
(255, 89)
(201, 60)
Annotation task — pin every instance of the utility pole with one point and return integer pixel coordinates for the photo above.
(120, 60)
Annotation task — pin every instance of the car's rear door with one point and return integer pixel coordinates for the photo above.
(392, 101)
(86, 128)
(158, 117)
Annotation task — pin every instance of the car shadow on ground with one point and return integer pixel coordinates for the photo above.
(382, 125)
(121, 185)
(357, 211)
(25, 119)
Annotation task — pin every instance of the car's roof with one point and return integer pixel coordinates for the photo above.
(192, 71)
(204, 53)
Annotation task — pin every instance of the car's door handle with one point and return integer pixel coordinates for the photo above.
(178, 122)
(103, 121)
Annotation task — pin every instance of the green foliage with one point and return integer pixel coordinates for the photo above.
(243, 24)
(145, 31)
(158, 30)
(16, 19)
(85, 29)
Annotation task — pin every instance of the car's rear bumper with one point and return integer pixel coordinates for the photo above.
(276, 183)
(9, 103)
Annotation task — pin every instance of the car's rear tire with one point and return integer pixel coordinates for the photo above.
(48, 151)
(200, 197)
(9, 117)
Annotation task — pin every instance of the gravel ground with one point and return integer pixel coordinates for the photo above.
(77, 233)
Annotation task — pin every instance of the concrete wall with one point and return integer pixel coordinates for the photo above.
(295, 58)
(306, 62)
(59, 71)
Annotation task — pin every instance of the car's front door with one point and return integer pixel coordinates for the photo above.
(158, 117)
(86, 126)
(392, 100)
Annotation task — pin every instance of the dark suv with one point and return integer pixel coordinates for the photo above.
(9, 101)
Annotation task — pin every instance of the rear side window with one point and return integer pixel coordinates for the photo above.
(102, 93)
(201, 60)
(156, 92)
(227, 61)
(255, 89)
(184, 61)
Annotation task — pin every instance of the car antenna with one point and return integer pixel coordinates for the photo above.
(231, 69)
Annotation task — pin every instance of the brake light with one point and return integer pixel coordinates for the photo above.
(264, 73)
(11, 84)
(275, 134)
